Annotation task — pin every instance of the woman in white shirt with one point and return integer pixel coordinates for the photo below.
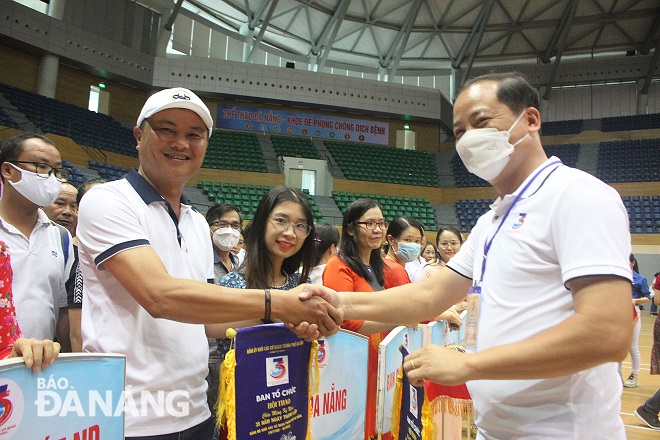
(326, 241)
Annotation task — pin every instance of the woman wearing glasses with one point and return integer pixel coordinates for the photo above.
(279, 241)
(226, 225)
(358, 267)
(449, 241)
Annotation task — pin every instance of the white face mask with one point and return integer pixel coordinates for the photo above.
(226, 238)
(485, 151)
(40, 191)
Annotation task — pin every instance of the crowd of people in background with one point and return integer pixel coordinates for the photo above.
(285, 247)
(167, 270)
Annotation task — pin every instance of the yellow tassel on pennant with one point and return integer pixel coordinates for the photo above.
(396, 404)
(226, 406)
(427, 420)
(313, 383)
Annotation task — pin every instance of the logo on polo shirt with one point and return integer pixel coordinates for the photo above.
(521, 219)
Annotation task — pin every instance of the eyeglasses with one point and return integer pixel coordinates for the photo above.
(384, 224)
(44, 170)
(222, 224)
(282, 224)
(446, 244)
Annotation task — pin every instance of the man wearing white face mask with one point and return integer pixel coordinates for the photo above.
(547, 276)
(226, 224)
(42, 253)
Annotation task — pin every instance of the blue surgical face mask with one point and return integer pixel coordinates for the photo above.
(407, 251)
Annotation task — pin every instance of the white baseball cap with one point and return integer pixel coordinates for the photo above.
(176, 98)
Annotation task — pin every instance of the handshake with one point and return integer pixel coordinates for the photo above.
(310, 310)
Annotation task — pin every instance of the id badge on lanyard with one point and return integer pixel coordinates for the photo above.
(474, 292)
(472, 317)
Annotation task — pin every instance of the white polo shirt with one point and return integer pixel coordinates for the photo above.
(40, 273)
(166, 361)
(567, 224)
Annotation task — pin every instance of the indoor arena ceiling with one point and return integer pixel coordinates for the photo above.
(409, 37)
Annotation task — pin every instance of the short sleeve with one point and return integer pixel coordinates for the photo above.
(463, 261)
(108, 224)
(590, 231)
(339, 277)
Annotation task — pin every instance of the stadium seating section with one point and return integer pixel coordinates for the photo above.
(464, 178)
(629, 161)
(234, 150)
(384, 164)
(643, 213)
(468, 211)
(75, 176)
(618, 161)
(393, 206)
(554, 128)
(107, 171)
(568, 153)
(245, 197)
(83, 126)
(6, 121)
(635, 122)
(287, 146)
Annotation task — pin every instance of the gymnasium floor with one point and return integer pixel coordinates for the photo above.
(648, 385)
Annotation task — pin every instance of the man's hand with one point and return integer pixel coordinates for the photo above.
(306, 307)
(36, 354)
(437, 364)
(329, 295)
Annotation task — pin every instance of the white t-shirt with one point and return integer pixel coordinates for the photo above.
(40, 274)
(165, 360)
(414, 268)
(567, 224)
(316, 274)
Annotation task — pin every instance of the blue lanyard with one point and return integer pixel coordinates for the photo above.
(488, 243)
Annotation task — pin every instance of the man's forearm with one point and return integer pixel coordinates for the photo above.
(414, 302)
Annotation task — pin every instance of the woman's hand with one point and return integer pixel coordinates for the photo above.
(452, 317)
(459, 307)
(36, 354)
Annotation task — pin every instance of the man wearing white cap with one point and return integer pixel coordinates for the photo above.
(147, 263)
